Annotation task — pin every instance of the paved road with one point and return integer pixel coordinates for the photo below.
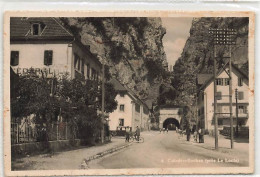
(168, 150)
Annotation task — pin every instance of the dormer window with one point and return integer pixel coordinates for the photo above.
(37, 29)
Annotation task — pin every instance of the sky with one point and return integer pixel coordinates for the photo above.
(177, 32)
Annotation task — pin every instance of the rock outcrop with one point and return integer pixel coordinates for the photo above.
(131, 47)
(197, 53)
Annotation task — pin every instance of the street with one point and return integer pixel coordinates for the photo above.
(167, 150)
(159, 150)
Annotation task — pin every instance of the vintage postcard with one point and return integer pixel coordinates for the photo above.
(128, 93)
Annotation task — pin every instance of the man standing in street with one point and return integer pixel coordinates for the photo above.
(201, 138)
(137, 133)
(188, 133)
(127, 133)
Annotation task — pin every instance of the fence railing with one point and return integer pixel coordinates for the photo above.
(26, 133)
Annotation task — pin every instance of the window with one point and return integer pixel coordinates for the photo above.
(121, 122)
(219, 81)
(98, 77)
(219, 95)
(219, 108)
(122, 107)
(146, 111)
(240, 81)
(76, 62)
(220, 121)
(14, 58)
(78, 65)
(82, 67)
(240, 95)
(242, 109)
(226, 81)
(88, 71)
(48, 57)
(201, 96)
(93, 74)
(202, 110)
(222, 81)
(37, 28)
(137, 107)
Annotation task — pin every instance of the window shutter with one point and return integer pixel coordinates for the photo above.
(219, 95)
(82, 67)
(48, 57)
(245, 109)
(78, 67)
(75, 61)
(45, 58)
(240, 95)
(14, 58)
(88, 71)
(240, 81)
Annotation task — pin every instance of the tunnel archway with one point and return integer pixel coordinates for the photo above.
(171, 124)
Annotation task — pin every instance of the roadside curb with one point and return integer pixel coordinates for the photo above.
(102, 154)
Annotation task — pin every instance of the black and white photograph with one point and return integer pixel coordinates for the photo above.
(129, 94)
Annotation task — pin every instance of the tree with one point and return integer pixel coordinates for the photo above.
(76, 101)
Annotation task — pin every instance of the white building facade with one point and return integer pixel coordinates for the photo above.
(206, 100)
(44, 45)
(130, 111)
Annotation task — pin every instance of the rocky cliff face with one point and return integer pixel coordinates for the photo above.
(131, 47)
(196, 56)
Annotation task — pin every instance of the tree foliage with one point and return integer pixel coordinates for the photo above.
(77, 101)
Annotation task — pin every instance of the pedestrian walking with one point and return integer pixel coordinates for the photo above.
(195, 136)
(188, 131)
(127, 134)
(137, 133)
(167, 130)
(201, 138)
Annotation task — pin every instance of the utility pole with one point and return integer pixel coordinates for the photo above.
(215, 101)
(100, 42)
(236, 113)
(223, 37)
(230, 100)
(103, 103)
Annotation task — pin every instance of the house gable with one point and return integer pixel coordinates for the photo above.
(21, 29)
(235, 70)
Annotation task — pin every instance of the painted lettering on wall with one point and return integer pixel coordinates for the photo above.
(47, 72)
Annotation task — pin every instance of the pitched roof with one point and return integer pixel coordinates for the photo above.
(219, 72)
(117, 85)
(202, 78)
(122, 88)
(20, 27)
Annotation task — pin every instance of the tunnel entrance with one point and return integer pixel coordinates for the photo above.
(171, 124)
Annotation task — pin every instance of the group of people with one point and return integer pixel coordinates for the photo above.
(200, 134)
(164, 129)
(196, 134)
(128, 132)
